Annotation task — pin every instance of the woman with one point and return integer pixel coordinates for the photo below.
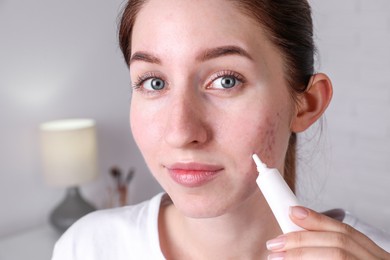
(214, 82)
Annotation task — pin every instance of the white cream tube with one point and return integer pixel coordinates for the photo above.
(278, 195)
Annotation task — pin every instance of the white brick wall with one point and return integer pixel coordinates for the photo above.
(353, 38)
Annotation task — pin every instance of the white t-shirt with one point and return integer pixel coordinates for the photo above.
(131, 232)
(124, 233)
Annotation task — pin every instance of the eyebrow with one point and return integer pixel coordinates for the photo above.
(144, 56)
(223, 51)
(208, 54)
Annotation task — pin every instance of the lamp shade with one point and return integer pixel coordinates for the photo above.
(69, 151)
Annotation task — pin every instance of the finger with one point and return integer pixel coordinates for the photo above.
(312, 253)
(311, 220)
(319, 239)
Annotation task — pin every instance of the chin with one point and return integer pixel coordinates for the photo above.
(198, 207)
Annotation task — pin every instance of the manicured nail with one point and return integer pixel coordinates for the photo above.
(276, 256)
(277, 243)
(299, 212)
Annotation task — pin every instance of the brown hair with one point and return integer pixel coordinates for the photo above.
(287, 23)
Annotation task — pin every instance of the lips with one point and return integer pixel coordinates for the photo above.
(193, 174)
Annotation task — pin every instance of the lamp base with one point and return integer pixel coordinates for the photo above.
(70, 210)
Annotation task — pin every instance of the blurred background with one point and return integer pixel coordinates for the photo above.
(60, 59)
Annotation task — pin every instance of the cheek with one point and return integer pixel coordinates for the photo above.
(276, 135)
(140, 122)
(269, 145)
(146, 132)
(267, 136)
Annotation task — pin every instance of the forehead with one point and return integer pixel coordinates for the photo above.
(182, 10)
(191, 23)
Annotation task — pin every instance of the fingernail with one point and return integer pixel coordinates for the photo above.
(276, 256)
(277, 243)
(299, 212)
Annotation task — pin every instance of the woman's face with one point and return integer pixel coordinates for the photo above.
(209, 91)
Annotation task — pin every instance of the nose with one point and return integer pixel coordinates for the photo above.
(186, 122)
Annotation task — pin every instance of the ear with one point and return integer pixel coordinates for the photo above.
(312, 103)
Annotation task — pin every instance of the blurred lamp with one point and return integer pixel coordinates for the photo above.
(69, 156)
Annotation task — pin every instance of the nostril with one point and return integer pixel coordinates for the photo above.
(185, 121)
(186, 132)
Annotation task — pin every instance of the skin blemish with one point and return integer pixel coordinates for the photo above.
(270, 140)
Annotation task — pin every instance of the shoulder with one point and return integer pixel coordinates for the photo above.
(112, 233)
(380, 237)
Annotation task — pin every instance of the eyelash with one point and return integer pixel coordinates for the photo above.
(141, 79)
(226, 73)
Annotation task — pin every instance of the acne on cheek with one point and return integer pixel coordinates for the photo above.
(269, 142)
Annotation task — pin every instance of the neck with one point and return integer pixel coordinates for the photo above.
(239, 234)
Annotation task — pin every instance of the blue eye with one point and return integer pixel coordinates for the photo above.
(228, 82)
(150, 84)
(225, 82)
(153, 84)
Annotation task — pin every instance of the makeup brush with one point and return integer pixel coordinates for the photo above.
(130, 175)
(117, 175)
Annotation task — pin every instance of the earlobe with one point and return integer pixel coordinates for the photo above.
(312, 103)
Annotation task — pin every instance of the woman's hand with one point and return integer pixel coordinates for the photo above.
(326, 238)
